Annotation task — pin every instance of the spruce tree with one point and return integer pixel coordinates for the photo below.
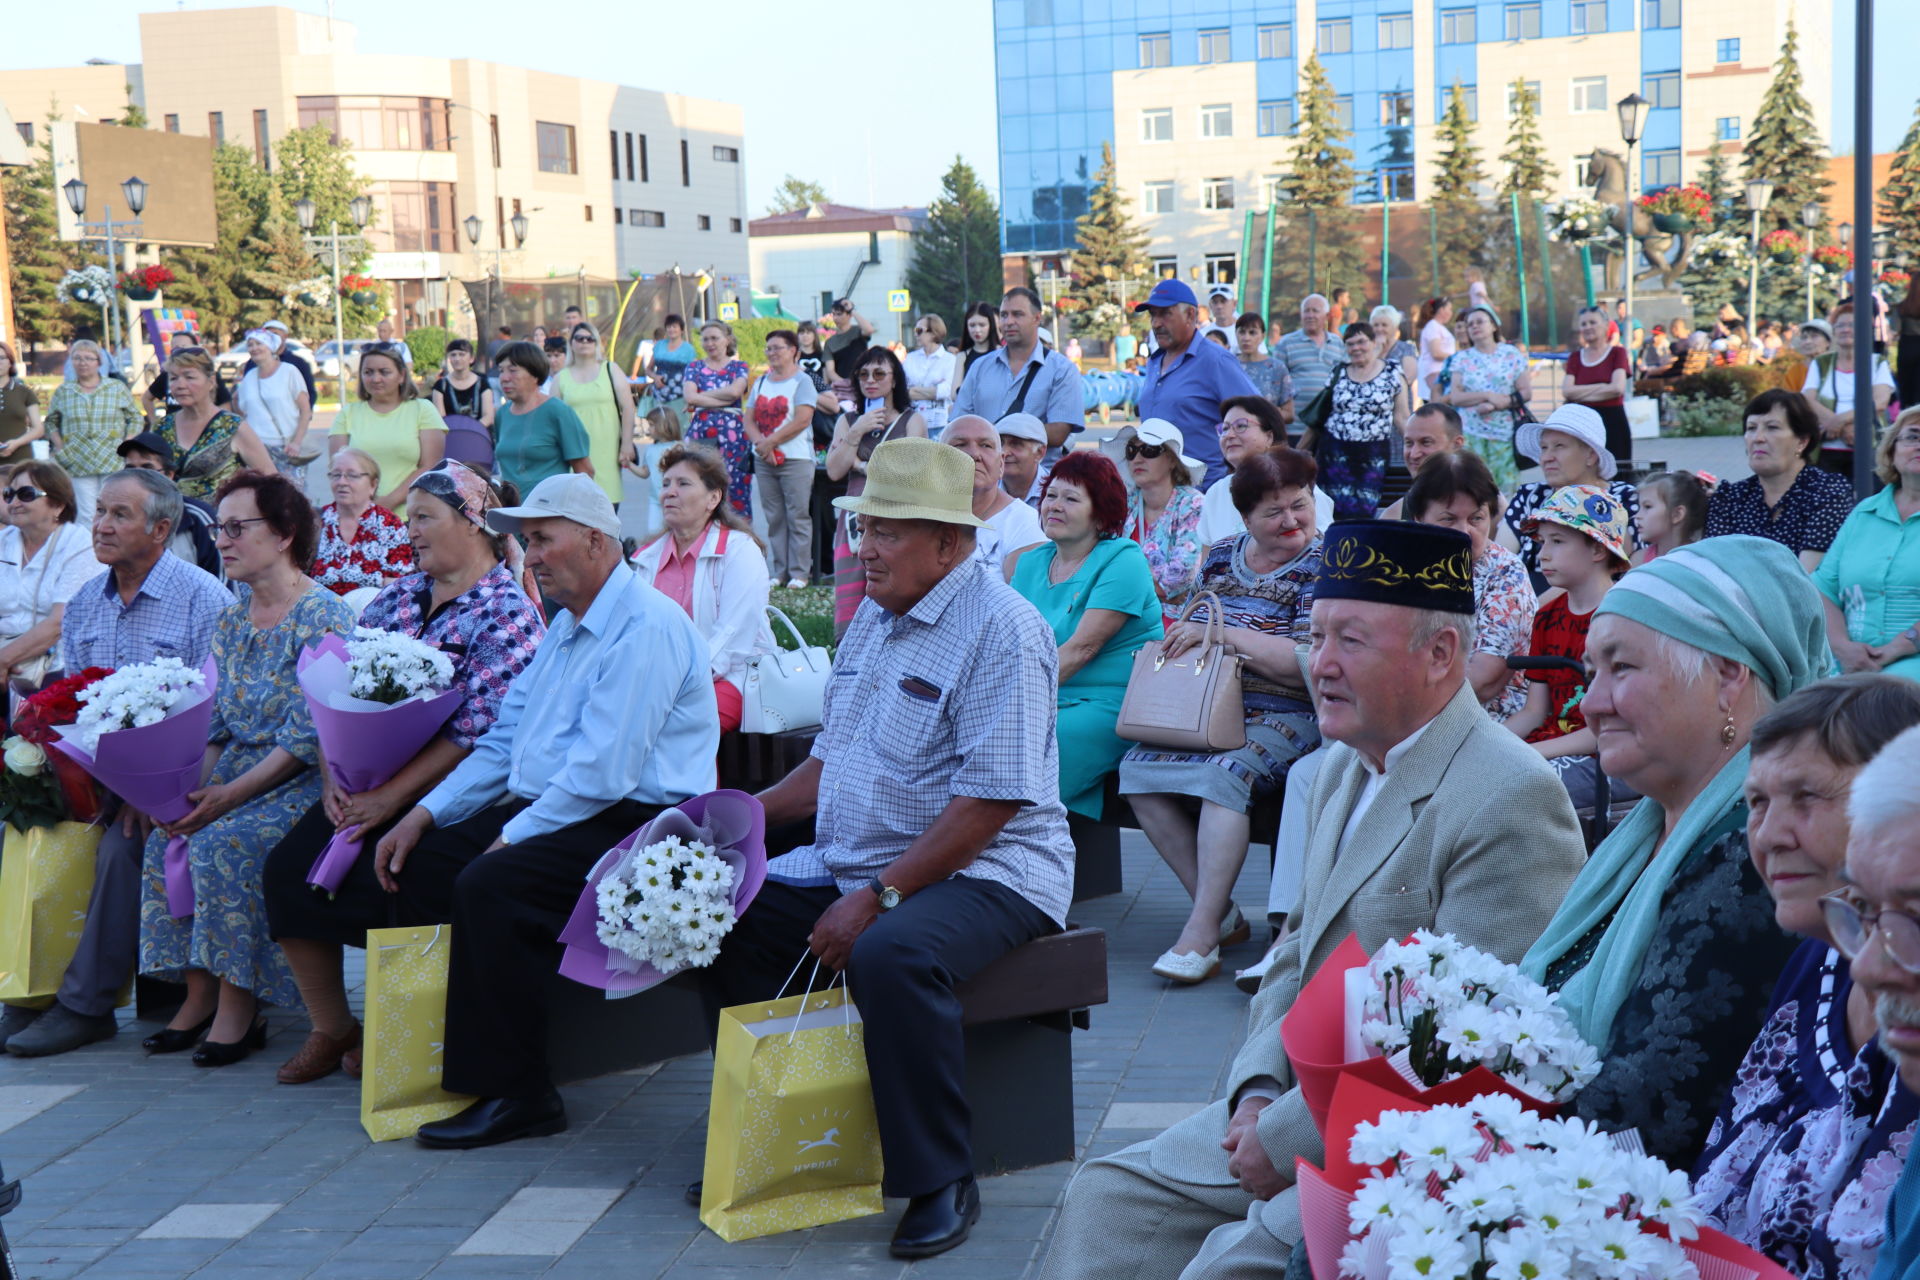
(1528, 170)
(956, 258)
(1783, 146)
(276, 267)
(1716, 179)
(1317, 193)
(1454, 203)
(39, 258)
(1110, 251)
(1900, 197)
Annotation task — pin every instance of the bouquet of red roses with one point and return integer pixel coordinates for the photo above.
(76, 796)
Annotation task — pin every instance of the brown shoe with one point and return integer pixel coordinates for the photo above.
(319, 1056)
(350, 1062)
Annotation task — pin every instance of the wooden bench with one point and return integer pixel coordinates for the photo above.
(1096, 845)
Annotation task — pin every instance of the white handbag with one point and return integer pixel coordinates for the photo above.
(787, 688)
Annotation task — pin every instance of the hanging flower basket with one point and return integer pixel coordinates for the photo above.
(362, 291)
(1836, 260)
(145, 284)
(1579, 220)
(1783, 246)
(308, 298)
(363, 297)
(1678, 209)
(1895, 278)
(90, 286)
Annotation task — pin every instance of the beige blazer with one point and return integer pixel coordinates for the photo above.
(1471, 834)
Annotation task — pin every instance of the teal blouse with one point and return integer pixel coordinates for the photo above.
(1115, 576)
(536, 445)
(1872, 575)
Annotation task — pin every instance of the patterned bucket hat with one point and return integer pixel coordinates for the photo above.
(1591, 510)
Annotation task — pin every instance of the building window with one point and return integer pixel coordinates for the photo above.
(703, 222)
(1513, 97)
(418, 217)
(1216, 193)
(262, 139)
(1156, 50)
(1663, 169)
(1587, 17)
(1276, 118)
(733, 224)
(619, 216)
(1166, 268)
(647, 218)
(1727, 128)
(1396, 108)
(1335, 36)
(1726, 50)
(1458, 26)
(1396, 31)
(172, 123)
(1661, 88)
(1273, 189)
(216, 127)
(686, 165)
(1393, 182)
(1589, 93)
(1523, 22)
(493, 132)
(1275, 41)
(555, 143)
(26, 131)
(1156, 124)
(613, 143)
(1156, 197)
(1658, 14)
(589, 213)
(1214, 46)
(629, 157)
(1216, 121)
(371, 123)
(727, 155)
(643, 157)
(1469, 93)
(1221, 268)
(1343, 113)
(1039, 13)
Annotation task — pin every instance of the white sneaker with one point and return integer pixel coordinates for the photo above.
(796, 584)
(1194, 966)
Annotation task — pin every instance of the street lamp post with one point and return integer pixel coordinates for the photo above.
(135, 193)
(474, 226)
(1759, 195)
(1810, 219)
(1633, 118)
(360, 208)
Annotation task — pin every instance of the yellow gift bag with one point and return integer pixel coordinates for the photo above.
(791, 1137)
(405, 1034)
(46, 882)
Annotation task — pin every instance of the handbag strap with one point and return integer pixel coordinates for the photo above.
(1216, 628)
(799, 641)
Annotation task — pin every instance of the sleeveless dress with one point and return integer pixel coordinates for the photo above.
(599, 413)
(210, 461)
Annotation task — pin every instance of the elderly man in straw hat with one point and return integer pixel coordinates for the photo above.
(940, 841)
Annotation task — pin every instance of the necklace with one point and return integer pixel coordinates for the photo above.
(1062, 570)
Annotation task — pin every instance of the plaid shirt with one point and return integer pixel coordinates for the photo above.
(91, 425)
(172, 616)
(895, 754)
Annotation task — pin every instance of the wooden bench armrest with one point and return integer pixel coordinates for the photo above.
(1060, 972)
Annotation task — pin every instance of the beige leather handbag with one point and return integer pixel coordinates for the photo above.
(1188, 703)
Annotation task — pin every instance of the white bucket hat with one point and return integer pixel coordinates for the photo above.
(1575, 420)
(1153, 431)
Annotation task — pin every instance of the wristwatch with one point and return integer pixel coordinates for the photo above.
(888, 895)
(1912, 636)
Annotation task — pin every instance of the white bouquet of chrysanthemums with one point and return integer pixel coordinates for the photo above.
(1577, 218)
(389, 667)
(133, 697)
(667, 904)
(1439, 1008)
(1493, 1191)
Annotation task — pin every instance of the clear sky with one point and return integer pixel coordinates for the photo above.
(873, 101)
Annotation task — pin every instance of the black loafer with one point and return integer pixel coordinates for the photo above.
(695, 1190)
(936, 1222)
(495, 1120)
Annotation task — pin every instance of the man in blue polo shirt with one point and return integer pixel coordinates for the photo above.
(1024, 376)
(1188, 377)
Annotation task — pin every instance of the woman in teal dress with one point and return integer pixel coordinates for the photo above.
(261, 779)
(1096, 590)
(1870, 576)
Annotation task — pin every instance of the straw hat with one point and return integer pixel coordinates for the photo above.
(917, 479)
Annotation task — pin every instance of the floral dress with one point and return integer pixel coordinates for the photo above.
(1489, 432)
(1173, 545)
(724, 428)
(1805, 1153)
(1354, 452)
(201, 468)
(257, 707)
(379, 553)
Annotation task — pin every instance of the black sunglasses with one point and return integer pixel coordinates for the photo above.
(25, 493)
(1137, 450)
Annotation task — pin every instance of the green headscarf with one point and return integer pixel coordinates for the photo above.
(1741, 598)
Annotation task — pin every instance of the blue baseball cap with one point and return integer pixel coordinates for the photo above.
(1167, 293)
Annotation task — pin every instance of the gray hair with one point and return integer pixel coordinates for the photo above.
(1883, 796)
(163, 496)
(372, 463)
(966, 417)
(1687, 663)
(1383, 312)
(1320, 298)
(1429, 623)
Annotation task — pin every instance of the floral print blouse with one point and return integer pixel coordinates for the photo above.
(1363, 411)
(711, 424)
(1805, 1153)
(1472, 369)
(380, 550)
(490, 631)
(1503, 606)
(1173, 545)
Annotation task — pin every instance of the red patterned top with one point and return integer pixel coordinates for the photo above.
(380, 550)
(1559, 632)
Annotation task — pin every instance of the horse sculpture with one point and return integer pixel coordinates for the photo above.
(1607, 172)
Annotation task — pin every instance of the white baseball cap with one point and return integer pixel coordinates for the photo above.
(1219, 291)
(570, 496)
(1153, 431)
(1022, 426)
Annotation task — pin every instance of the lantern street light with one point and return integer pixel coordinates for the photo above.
(1759, 196)
(518, 224)
(1633, 120)
(134, 191)
(1810, 214)
(360, 209)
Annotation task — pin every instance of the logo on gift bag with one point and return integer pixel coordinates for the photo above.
(827, 1125)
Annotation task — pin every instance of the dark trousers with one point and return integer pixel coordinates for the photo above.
(1619, 430)
(902, 979)
(110, 938)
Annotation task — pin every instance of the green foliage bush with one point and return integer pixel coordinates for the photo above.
(752, 333)
(1741, 382)
(1704, 415)
(429, 347)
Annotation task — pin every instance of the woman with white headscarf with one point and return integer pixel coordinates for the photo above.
(272, 399)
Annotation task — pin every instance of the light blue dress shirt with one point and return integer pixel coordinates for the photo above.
(616, 705)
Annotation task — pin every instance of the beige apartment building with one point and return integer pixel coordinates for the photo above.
(612, 180)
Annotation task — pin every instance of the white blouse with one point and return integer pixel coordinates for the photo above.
(30, 590)
(931, 369)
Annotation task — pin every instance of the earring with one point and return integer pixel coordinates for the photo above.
(1727, 733)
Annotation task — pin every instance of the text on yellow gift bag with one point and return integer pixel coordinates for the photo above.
(406, 1031)
(46, 882)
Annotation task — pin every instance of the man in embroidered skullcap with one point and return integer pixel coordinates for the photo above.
(1424, 816)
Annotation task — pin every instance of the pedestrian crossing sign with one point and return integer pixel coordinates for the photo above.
(898, 300)
(729, 311)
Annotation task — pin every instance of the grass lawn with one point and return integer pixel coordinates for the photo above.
(811, 609)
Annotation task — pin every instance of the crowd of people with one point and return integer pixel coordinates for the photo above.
(1437, 693)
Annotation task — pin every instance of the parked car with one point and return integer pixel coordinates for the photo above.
(326, 362)
(229, 363)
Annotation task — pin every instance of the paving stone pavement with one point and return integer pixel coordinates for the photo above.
(139, 1168)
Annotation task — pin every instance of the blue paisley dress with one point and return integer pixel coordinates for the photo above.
(258, 707)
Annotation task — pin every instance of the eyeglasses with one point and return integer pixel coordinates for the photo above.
(349, 475)
(1851, 928)
(25, 493)
(1235, 427)
(233, 530)
(585, 337)
(874, 373)
(1907, 437)
(1137, 450)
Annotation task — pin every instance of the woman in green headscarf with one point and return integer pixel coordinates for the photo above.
(1665, 950)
